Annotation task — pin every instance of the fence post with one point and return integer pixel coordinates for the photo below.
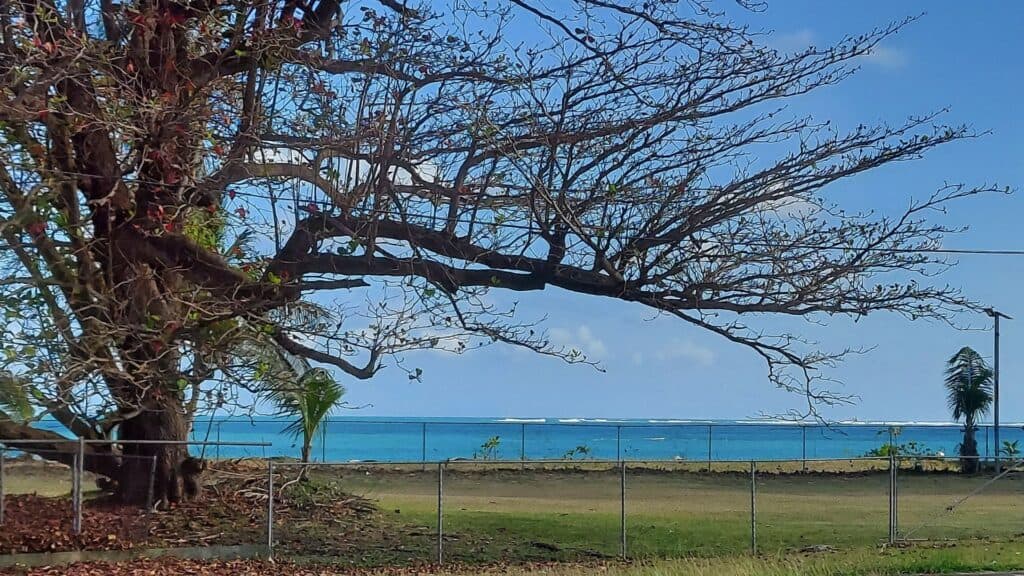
(218, 439)
(74, 494)
(79, 472)
(988, 453)
(323, 441)
(709, 448)
(753, 507)
(803, 432)
(2, 495)
(440, 513)
(892, 499)
(896, 497)
(622, 508)
(522, 446)
(423, 445)
(618, 443)
(270, 509)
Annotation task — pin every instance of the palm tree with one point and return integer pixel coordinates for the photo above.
(969, 395)
(15, 403)
(298, 390)
(309, 399)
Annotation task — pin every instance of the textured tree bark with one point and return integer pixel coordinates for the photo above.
(969, 451)
(162, 420)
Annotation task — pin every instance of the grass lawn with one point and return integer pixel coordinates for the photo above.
(23, 476)
(974, 557)
(537, 515)
(680, 520)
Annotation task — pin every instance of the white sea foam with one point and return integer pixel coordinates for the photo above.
(523, 420)
(656, 439)
(570, 420)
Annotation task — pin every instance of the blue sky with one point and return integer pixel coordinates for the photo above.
(960, 55)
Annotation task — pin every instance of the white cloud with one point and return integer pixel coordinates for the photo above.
(887, 57)
(882, 56)
(280, 155)
(792, 41)
(788, 206)
(581, 339)
(791, 207)
(679, 349)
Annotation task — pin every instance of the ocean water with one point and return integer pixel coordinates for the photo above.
(434, 439)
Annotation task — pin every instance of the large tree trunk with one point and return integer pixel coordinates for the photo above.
(162, 421)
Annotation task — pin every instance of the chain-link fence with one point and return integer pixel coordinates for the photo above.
(935, 503)
(486, 509)
(354, 439)
(62, 496)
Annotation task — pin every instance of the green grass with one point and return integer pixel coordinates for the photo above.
(679, 522)
(44, 479)
(969, 558)
(564, 515)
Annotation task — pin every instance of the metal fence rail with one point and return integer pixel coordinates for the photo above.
(77, 465)
(401, 440)
(761, 493)
(761, 476)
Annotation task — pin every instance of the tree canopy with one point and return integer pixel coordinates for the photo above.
(349, 181)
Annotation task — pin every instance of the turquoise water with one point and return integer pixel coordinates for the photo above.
(431, 439)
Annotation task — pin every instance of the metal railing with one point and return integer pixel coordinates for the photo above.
(77, 465)
(764, 496)
(770, 486)
(398, 440)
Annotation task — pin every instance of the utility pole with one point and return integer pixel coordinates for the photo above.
(996, 315)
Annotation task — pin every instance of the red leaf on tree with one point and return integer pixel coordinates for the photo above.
(218, 150)
(174, 17)
(37, 228)
(241, 212)
(169, 226)
(231, 194)
(312, 208)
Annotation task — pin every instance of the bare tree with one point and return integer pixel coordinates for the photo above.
(184, 181)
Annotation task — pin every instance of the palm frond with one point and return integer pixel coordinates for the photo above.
(14, 398)
(968, 385)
